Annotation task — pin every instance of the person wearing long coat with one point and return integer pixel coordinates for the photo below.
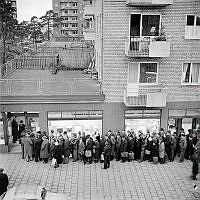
(66, 150)
(173, 147)
(44, 151)
(106, 152)
(155, 148)
(36, 147)
(131, 144)
(168, 144)
(14, 130)
(118, 147)
(28, 147)
(124, 153)
(138, 148)
(57, 154)
(96, 151)
(182, 145)
(81, 148)
(113, 141)
(3, 182)
(161, 150)
(20, 129)
(74, 142)
(89, 147)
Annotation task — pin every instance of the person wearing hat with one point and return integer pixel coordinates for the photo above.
(20, 129)
(107, 151)
(3, 182)
(44, 151)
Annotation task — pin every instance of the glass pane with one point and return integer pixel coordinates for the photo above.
(54, 114)
(150, 25)
(176, 113)
(133, 73)
(68, 115)
(195, 74)
(186, 72)
(198, 21)
(148, 72)
(190, 20)
(193, 113)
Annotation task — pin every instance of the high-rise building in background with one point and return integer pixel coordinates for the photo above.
(72, 25)
(14, 4)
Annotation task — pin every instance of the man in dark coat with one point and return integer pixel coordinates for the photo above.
(37, 141)
(3, 182)
(14, 129)
(107, 151)
(21, 128)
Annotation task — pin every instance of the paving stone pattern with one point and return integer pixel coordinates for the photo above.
(123, 181)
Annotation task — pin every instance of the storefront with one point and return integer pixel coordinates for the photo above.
(184, 118)
(76, 121)
(142, 120)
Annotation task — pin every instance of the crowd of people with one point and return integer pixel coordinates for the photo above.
(123, 146)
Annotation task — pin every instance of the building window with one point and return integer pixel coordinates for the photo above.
(66, 11)
(74, 18)
(74, 25)
(143, 73)
(89, 22)
(75, 11)
(144, 25)
(192, 28)
(191, 73)
(74, 32)
(75, 4)
(148, 73)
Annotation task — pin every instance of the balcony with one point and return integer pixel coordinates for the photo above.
(192, 32)
(149, 2)
(136, 95)
(146, 47)
(89, 10)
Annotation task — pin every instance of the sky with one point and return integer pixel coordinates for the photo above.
(28, 8)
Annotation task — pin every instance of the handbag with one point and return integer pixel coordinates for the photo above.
(102, 157)
(147, 152)
(53, 162)
(88, 153)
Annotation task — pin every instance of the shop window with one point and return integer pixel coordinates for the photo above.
(191, 73)
(54, 115)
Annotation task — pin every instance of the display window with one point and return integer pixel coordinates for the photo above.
(142, 120)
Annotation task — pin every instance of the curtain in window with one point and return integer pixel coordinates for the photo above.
(186, 72)
(195, 76)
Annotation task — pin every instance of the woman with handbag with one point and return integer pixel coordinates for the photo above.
(88, 149)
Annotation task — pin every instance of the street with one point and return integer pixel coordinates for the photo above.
(128, 181)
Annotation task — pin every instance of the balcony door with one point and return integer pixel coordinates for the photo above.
(144, 25)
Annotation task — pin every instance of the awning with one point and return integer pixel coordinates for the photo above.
(136, 101)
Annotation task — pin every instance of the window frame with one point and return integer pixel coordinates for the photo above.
(195, 20)
(141, 14)
(138, 76)
(182, 78)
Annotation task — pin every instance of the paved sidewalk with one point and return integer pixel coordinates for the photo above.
(126, 181)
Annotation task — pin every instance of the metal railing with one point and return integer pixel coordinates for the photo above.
(137, 46)
(27, 62)
(13, 87)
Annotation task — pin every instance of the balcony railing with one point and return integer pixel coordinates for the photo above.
(146, 47)
(149, 2)
(89, 10)
(13, 87)
(26, 62)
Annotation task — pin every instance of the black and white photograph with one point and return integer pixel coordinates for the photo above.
(99, 99)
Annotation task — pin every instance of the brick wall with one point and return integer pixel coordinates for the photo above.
(116, 20)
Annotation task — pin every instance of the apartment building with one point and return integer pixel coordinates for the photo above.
(147, 54)
(148, 59)
(14, 4)
(72, 13)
